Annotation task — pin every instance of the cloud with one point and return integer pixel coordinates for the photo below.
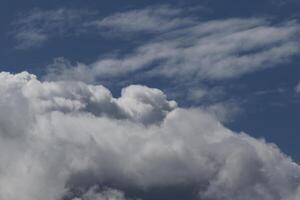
(211, 50)
(71, 140)
(137, 103)
(107, 194)
(297, 89)
(155, 19)
(178, 43)
(203, 50)
(34, 28)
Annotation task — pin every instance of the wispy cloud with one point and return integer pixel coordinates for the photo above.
(206, 50)
(34, 28)
(211, 50)
(156, 19)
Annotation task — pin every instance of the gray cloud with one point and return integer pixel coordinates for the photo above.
(52, 144)
(107, 194)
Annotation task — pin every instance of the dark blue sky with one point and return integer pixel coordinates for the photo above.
(268, 102)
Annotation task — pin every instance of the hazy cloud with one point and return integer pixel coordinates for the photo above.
(34, 28)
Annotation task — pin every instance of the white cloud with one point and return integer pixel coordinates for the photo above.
(203, 50)
(156, 19)
(137, 103)
(56, 137)
(179, 45)
(211, 50)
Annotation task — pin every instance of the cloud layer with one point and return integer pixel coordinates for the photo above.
(71, 140)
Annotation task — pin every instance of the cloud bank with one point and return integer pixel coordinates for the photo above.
(72, 140)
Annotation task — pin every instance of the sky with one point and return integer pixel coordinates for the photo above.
(119, 100)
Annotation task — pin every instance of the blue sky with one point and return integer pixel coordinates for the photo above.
(236, 60)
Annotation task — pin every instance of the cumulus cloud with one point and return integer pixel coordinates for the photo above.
(71, 140)
(138, 103)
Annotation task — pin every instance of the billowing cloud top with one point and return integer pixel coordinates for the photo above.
(71, 140)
